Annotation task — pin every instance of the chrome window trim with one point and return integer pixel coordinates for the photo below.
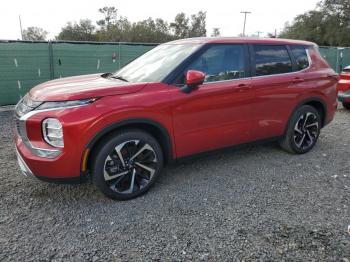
(228, 80)
(253, 77)
(294, 72)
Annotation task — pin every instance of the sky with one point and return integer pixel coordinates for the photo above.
(266, 16)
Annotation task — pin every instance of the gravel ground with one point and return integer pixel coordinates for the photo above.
(251, 203)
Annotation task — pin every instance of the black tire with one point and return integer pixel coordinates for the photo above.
(346, 105)
(111, 176)
(302, 136)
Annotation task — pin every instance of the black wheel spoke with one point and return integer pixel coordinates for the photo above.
(117, 182)
(130, 166)
(306, 131)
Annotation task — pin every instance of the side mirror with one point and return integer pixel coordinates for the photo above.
(194, 78)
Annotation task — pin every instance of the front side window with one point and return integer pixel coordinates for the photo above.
(300, 55)
(220, 62)
(271, 60)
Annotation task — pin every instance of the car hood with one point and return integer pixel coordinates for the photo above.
(82, 87)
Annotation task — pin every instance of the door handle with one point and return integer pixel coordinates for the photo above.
(240, 88)
(243, 85)
(297, 80)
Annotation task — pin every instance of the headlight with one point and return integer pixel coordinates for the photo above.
(25, 105)
(53, 132)
(60, 104)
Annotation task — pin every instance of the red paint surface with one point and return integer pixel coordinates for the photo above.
(214, 115)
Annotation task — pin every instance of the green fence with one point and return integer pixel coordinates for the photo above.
(26, 64)
(337, 57)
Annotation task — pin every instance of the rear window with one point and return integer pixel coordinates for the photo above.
(300, 55)
(271, 60)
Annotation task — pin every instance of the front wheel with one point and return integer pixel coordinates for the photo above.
(127, 164)
(303, 130)
(346, 105)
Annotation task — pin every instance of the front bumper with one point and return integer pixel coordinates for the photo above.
(23, 166)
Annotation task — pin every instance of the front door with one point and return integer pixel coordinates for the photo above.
(219, 112)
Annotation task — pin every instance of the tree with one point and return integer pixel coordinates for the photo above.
(82, 31)
(184, 27)
(216, 32)
(180, 26)
(328, 24)
(34, 33)
(115, 28)
(110, 16)
(198, 24)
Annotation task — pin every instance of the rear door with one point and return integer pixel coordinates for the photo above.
(273, 83)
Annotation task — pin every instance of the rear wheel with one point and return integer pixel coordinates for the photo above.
(127, 164)
(346, 105)
(303, 130)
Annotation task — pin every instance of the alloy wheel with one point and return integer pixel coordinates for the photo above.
(306, 131)
(130, 166)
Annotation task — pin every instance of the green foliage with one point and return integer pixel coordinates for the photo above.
(328, 24)
(34, 33)
(82, 31)
(115, 28)
(216, 32)
(198, 24)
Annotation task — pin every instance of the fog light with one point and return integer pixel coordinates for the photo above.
(53, 132)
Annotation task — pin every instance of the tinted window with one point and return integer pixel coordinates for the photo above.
(221, 62)
(300, 55)
(272, 60)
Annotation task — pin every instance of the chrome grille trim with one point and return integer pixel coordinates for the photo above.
(20, 126)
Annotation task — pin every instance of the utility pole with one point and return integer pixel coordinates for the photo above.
(20, 26)
(245, 20)
(259, 32)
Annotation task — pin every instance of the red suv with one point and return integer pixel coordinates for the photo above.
(344, 88)
(179, 99)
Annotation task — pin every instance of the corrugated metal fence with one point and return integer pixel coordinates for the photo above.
(26, 64)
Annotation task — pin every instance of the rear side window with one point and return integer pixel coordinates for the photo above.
(272, 60)
(221, 62)
(300, 55)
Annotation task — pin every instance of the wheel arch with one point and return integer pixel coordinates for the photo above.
(320, 106)
(150, 126)
(315, 102)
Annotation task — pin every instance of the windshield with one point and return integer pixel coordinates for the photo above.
(156, 64)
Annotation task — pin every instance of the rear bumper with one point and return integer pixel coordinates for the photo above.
(344, 97)
(343, 85)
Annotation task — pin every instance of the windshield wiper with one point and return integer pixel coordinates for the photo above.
(119, 78)
(105, 75)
